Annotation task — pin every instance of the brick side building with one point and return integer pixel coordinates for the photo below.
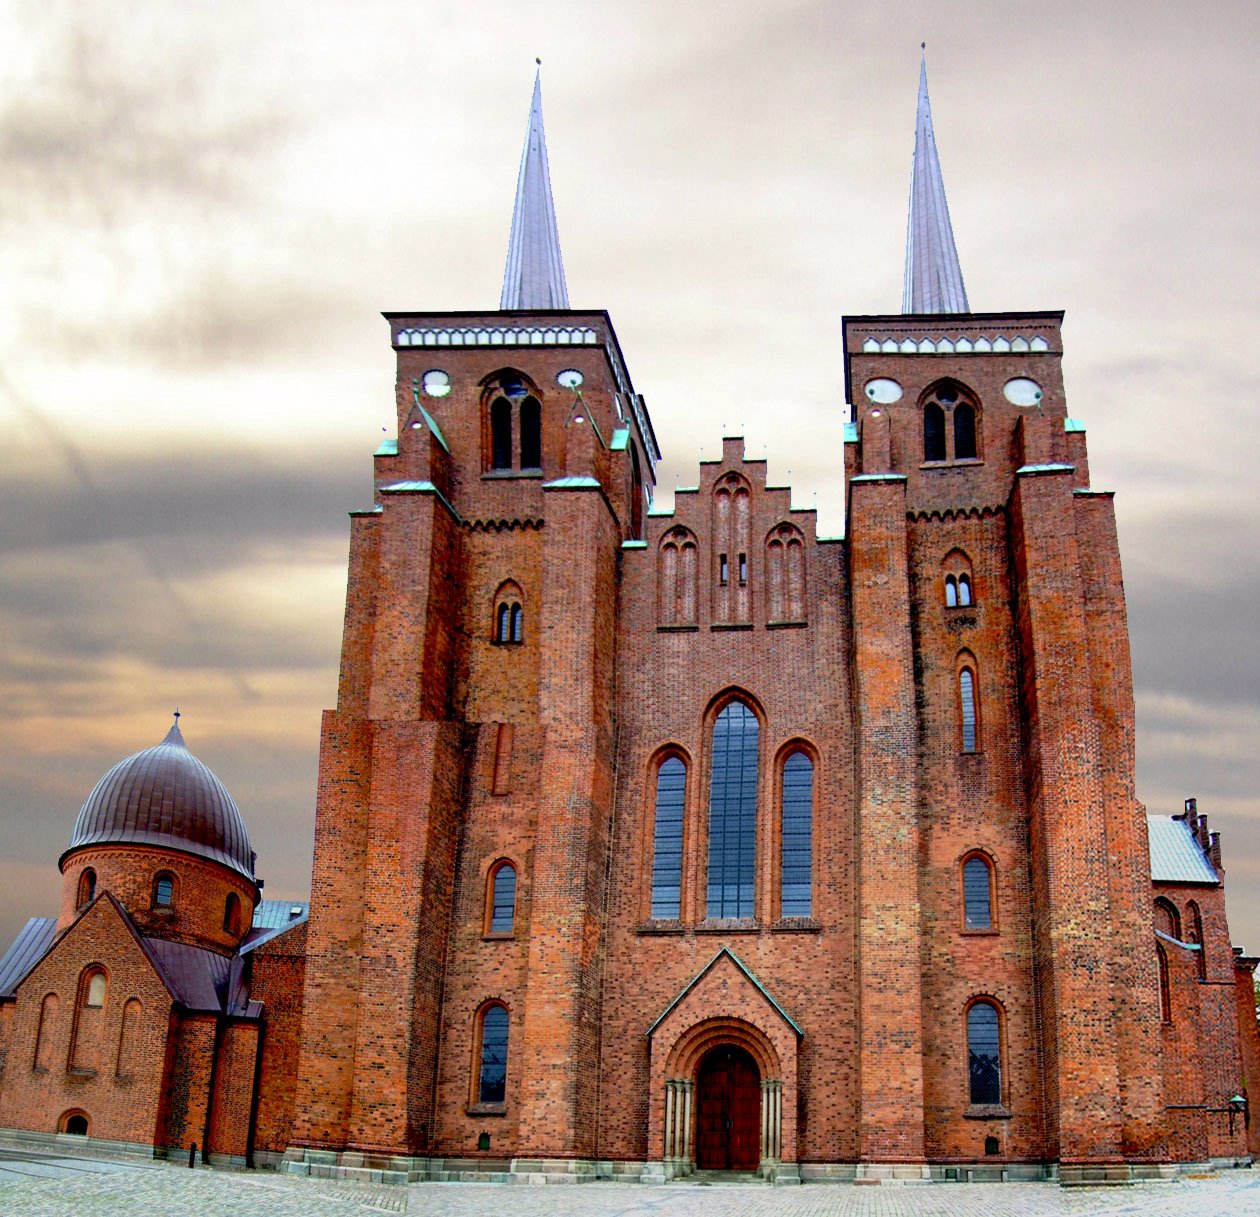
(658, 841)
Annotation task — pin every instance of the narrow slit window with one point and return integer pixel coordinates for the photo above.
(964, 590)
(951, 591)
(723, 570)
(743, 568)
(933, 432)
(667, 840)
(797, 836)
(503, 626)
(531, 434)
(964, 432)
(984, 1054)
(1165, 989)
(967, 706)
(501, 434)
(518, 623)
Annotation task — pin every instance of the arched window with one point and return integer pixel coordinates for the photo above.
(968, 718)
(128, 1037)
(933, 432)
(733, 812)
(984, 1054)
(163, 890)
(667, 839)
(957, 569)
(977, 876)
(964, 591)
(731, 519)
(531, 434)
(1167, 919)
(502, 911)
(797, 836)
(951, 591)
(47, 1031)
(501, 434)
(89, 1021)
(493, 1055)
(1194, 934)
(676, 577)
(509, 614)
(87, 887)
(1165, 989)
(75, 1123)
(232, 914)
(785, 573)
(951, 423)
(964, 431)
(96, 990)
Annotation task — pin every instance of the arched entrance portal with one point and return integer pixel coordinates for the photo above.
(728, 1110)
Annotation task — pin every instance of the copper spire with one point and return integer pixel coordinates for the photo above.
(534, 276)
(934, 282)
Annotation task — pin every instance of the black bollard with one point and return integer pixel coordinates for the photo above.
(192, 1155)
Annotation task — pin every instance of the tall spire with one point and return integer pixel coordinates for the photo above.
(934, 282)
(534, 277)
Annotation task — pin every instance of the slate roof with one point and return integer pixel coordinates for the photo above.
(1176, 856)
(29, 947)
(272, 918)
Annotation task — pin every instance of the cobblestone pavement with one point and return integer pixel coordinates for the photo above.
(42, 1185)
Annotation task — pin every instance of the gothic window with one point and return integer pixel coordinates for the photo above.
(89, 1020)
(1167, 919)
(977, 878)
(968, 714)
(47, 1031)
(964, 591)
(676, 577)
(984, 1054)
(531, 434)
(163, 890)
(951, 423)
(232, 914)
(128, 1037)
(501, 917)
(492, 1055)
(1194, 934)
(1165, 989)
(509, 614)
(958, 588)
(933, 432)
(785, 572)
(87, 887)
(733, 812)
(797, 828)
(501, 434)
(667, 839)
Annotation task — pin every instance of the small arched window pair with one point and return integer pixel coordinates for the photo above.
(957, 591)
(509, 615)
(955, 442)
(513, 400)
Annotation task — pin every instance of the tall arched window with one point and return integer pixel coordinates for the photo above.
(1194, 933)
(984, 1053)
(47, 1031)
(785, 573)
(128, 1037)
(667, 839)
(636, 493)
(492, 1055)
(964, 431)
(501, 434)
(933, 432)
(232, 914)
(977, 876)
(797, 831)
(502, 911)
(531, 434)
(731, 519)
(1165, 989)
(969, 719)
(87, 887)
(163, 890)
(1167, 919)
(964, 591)
(676, 577)
(733, 813)
(89, 1021)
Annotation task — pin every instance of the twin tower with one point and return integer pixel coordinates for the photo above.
(650, 842)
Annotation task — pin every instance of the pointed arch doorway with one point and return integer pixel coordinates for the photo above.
(728, 1110)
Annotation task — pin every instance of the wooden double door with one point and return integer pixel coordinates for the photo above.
(728, 1111)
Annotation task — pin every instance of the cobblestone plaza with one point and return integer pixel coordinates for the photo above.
(44, 1185)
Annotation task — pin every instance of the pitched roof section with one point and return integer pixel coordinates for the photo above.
(746, 970)
(29, 947)
(1175, 853)
(534, 277)
(934, 282)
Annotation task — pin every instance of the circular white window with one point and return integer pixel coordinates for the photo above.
(1022, 392)
(570, 378)
(436, 383)
(883, 390)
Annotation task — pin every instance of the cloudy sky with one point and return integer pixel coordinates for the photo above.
(204, 208)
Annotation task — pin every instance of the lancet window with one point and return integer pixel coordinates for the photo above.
(513, 413)
(785, 573)
(984, 1053)
(667, 838)
(951, 424)
(733, 812)
(677, 577)
(796, 837)
(492, 1055)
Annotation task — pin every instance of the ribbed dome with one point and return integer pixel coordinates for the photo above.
(165, 796)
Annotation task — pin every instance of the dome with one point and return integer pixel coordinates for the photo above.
(165, 796)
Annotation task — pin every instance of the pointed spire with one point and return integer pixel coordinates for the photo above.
(934, 282)
(173, 736)
(534, 278)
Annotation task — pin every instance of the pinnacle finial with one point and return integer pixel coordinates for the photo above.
(933, 279)
(534, 275)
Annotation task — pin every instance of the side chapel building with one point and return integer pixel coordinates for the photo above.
(654, 841)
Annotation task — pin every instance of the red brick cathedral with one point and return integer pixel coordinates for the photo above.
(651, 842)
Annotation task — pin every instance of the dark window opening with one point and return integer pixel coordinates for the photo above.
(87, 887)
(964, 431)
(743, 568)
(723, 570)
(77, 1126)
(509, 623)
(667, 840)
(531, 434)
(483, 1141)
(977, 895)
(733, 813)
(984, 1054)
(992, 1146)
(797, 829)
(232, 914)
(1165, 988)
(933, 432)
(518, 623)
(492, 1080)
(501, 434)
(503, 900)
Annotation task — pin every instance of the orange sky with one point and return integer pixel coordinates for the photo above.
(203, 209)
